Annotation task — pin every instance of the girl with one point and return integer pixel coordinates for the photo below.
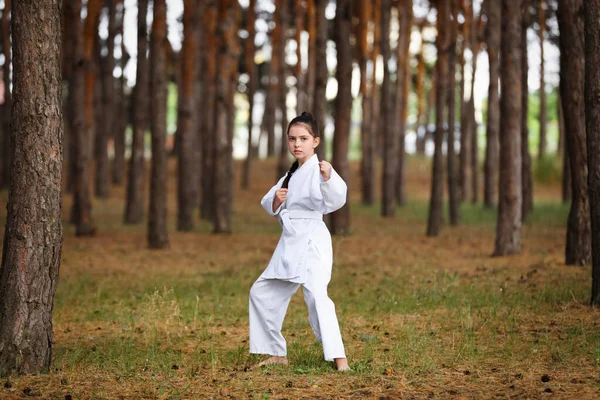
(304, 255)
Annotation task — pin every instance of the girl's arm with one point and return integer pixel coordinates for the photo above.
(334, 193)
(267, 200)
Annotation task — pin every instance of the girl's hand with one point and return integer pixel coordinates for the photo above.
(325, 168)
(280, 196)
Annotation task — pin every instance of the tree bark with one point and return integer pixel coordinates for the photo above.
(134, 208)
(319, 101)
(390, 140)
(187, 160)
(299, 15)
(493, 31)
(157, 212)
(592, 116)
(311, 72)
(340, 220)
(250, 49)
(279, 41)
(434, 220)
(566, 169)
(451, 153)
(578, 249)
(33, 235)
(121, 105)
(7, 106)
(543, 108)
(366, 163)
(526, 175)
(465, 163)
(508, 227)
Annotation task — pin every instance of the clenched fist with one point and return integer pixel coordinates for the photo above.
(280, 196)
(325, 168)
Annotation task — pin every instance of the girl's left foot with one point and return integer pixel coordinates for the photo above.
(342, 364)
(274, 360)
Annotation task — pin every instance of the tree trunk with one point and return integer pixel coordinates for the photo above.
(390, 142)
(249, 51)
(298, 13)
(105, 128)
(208, 113)
(473, 126)
(465, 177)
(420, 89)
(121, 114)
(157, 212)
(84, 77)
(578, 250)
(451, 152)
(187, 162)
(434, 220)
(33, 234)
(70, 38)
(223, 167)
(566, 169)
(366, 164)
(403, 82)
(320, 102)
(543, 108)
(311, 72)
(508, 227)
(592, 115)
(340, 220)
(526, 175)
(493, 115)
(7, 106)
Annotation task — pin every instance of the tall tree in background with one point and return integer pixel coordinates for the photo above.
(223, 167)
(271, 87)
(122, 114)
(298, 12)
(70, 37)
(134, 209)
(592, 118)
(420, 91)
(6, 107)
(340, 220)
(443, 38)
(366, 87)
(252, 85)
(465, 163)
(33, 233)
(405, 20)
(578, 250)
(209, 53)
(566, 168)
(82, 86)
(188, 180)
(476, 42)
(526, 174)
(493, 31)
(508, 226)
(451, 152)
(279, 42)
(319, 102)
(106, 116)
(543, 107)
(157, 212)
(390, 139)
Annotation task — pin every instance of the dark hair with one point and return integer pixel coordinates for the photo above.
(310, 123)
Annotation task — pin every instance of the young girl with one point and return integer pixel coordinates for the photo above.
(304, 255)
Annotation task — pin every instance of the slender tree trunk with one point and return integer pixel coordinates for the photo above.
(592, 114)
(578, 250)
(508, 228)
(340, 220)
(157, 212)
(7, 106)
(566, 165)
(319, 102)
(250, 49)
(134, 207)
(121, 116)
(473, 126)
(223, 168)
(437, 177)
(279, 46)
(187, 162)
(298, 13)
(208, 115)
(311, 71)
(33, 233)
(105, 128)
(402, 89)
(465, 130)
(493, 115)
(84, 77)
(526, 175)
(420, 89)
(390, 142)
(366, 165)
(543, 108)
(451, 152)
(69, 40)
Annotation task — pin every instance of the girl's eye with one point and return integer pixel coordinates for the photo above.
(304, 139)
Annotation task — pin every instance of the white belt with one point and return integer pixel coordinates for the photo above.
(286, 216)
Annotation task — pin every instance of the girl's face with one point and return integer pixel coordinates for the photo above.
(301, 143)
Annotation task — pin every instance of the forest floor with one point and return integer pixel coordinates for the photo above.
(421, 317)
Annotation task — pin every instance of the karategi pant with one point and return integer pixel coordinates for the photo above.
(269, 300)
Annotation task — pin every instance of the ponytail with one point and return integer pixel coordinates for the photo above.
(293, 169)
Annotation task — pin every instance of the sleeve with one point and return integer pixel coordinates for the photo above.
(267, 200)
(334, 193)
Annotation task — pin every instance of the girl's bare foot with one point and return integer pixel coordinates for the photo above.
(342, 364)
(275, 360)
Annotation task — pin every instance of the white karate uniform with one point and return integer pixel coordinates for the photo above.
(303, 257)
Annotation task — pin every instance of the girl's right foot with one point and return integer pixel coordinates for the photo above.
(275, 360)
(341, 364)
